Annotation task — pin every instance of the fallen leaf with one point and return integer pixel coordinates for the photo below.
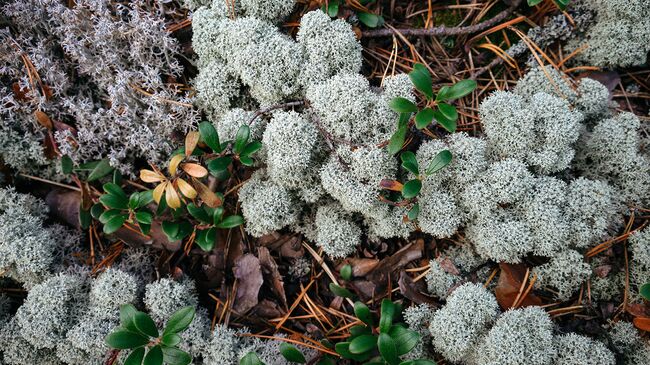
(43, 119)
(642, 323)
(507, 289)
(191, 140)
(603, 270)
(50, 149)
(208, 196)
(413, 290)
(270, 270)
(448, 265)
(248, 272)
(638, 309)
(194, 170)
(360, 266)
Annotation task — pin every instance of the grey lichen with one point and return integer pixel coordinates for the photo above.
(564, 273)
(573, 349)
(336, 232)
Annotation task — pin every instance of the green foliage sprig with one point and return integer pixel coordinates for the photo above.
(138, 332)
(370, 20)
(437, 108)
(561, 4)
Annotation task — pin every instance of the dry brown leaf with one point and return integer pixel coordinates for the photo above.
(50, 149)
(173, 164)
(413, 290)
(361, 266)
(149, 176)
(603, 270)
(509, 284)
(391, 185)
(172, 198)
(186, 189)
(43, 119)
(642, 323)
(248, 272)
(191, 140)
(209, 198)
(270, 270)
(194, 170)
(158, 191)
(448, 265)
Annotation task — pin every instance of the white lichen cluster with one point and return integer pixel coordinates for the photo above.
(619, 35)
(453, 267)
(633, 349)
(469, 329)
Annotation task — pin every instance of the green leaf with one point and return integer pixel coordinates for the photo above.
(66, 164)
(413, 212)
(291, 353)
(170, 229)
(134, 199)
(459, 89)
(97, 210)
(210, 136)
(346, 272)
(231, 221)
(387, 348)
(219, 164)
(343, 349)
(448, 111)
(251, 148)
(144, 217)
(369, 19)
(421, 78)
(561, 4)
(154, 356)
(534, 2)
(423, 118)
(145, 324)
(326, 360)
(250, 358)
(363, 313)
(246, 160)
(405, 339)
(412, 188)
(102, 169)
(443, 93)
(340, 291)
(442, 159)
(174, 356)
(206, 238)
(114, 201)
(241, 139)
(108, 215)
(85, 219)
(363, 344)
(125, 339)
(171, 339)
(217, 215)
(332, 8)
(136, 356)
(117, 177)
(397, 140)
(402, 105)
(409, 162)
(198, 213)
(645, 291)
(358, 330)
(127, 312)
(386, 315)
(145, 228)
(115, 223)
(449, 125)
(418, 362)
(145, 198)
(180, 320)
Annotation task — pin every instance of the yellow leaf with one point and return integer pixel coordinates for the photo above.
(174, 162)
(186, 189)
(191, 141)
(173, 200)
(194, 170)
(150, 176)
(209, 198)
(158, 191)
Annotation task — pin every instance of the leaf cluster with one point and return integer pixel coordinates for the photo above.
(138, 332)
(370, 20)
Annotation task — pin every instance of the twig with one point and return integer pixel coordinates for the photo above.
(443, 30)
(275, 107)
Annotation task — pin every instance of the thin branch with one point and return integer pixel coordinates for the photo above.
(263, 111)
(443, 30)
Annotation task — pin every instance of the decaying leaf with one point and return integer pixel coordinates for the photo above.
(174, 162)
(642, 323)
(413, 290)
(391, 185)
(509, 284)
(194, 170)
(248, 273)
(43, 119)
(186, 189)
(191, 140)
(270, 271)
(149, 176)
(172, 198)
(208, 196)
(448, 265)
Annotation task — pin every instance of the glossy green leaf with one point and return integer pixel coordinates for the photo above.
(145, 198)
(405, 339)
(413, 212)
(115, 223)
(66, 164)
(358, 330)
(423, 118)
(332, 8)
(170, 229)
(645, 291)
(442, 159)
(210, 136)
(250, 358)
(199, 213)
(397, 140)
(206, 239)
(443, 93)
(363, 313)
(460, 89)
(561, 4)
(217, 215)
(154, 356)
(231, 221)
(418, 362)
(402, 105)
(97, 210)
(175, 356)
(180, 320)
(369, 19)
(134, 199)
(102, 169)
(135, 357)
(421, 79)
(241, 139)
(346, 272)
(108, 215)
(251, 148)
(340, 291)
(291, 353)
(362, 344)
(412, 188)
(125, 339)
(145, 324)
(85, 219)
(343, 349)
(127, 312)
(409, 162)
(387, 349)
(448, 124)
(117, 177)
(326, 360)
(534, 2)
(114, 201)
(144, 217)
(246, 160)
(219, 164)
(387, 313)
(145, 228)
(448, 111)
(170, 339)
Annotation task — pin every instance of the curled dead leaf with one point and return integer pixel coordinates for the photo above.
(158, 191)
(509, 285)
(248, 272)
(191, 140)
(389, 184)
(186, 189)
(149, 176)
(194, 170)
(172, 198)
(448, 265)
(642, 323)
(43, 119)
(174, 162)
(208, 197)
